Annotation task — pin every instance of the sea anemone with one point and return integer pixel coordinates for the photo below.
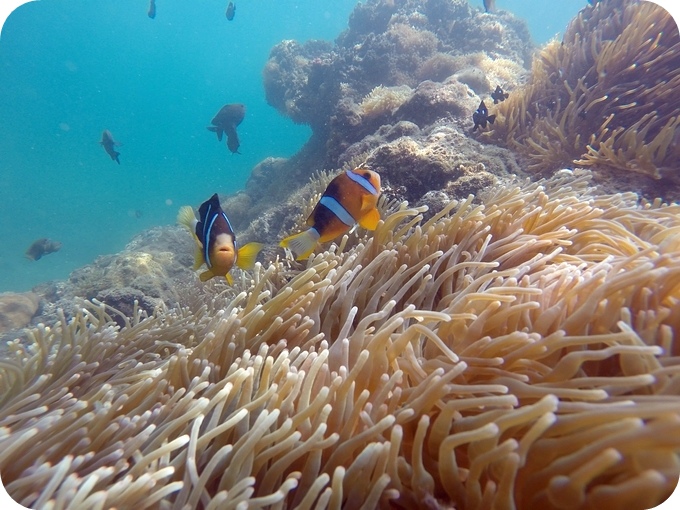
(384, 100)
(605, 97)
(519, 353)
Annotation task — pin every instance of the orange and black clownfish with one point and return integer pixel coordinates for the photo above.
(215, 241)
(349, 199)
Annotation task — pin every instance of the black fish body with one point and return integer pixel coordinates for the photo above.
(109, 143)
(481, 117)
(152, 9)
(498, 95)
(226, 121)
(489, 5)
(231, 10)
(41, 247)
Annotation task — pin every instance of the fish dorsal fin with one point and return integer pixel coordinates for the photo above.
(247, 255)
(370, 220)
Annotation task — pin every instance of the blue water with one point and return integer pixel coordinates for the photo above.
(72, 68)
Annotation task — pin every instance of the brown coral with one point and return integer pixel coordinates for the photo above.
(606, 97)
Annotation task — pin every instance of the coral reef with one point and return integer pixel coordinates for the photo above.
(349, 91)
(516, 353)
(605, 97)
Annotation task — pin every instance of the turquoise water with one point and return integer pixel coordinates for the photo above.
(71, 68)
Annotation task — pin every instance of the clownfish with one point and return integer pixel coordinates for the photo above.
(350, 198)
(215, 241)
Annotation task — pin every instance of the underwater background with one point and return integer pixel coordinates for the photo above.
(71, 68)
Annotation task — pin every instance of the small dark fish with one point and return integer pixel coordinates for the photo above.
(41, 247)
(152, 9)
(109, 143)
(226, 121)
(481, 117)
(231, 10)
(498, 95)
(489, 5)
(583, 114)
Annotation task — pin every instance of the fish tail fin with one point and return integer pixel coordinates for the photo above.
(187, 218)
(247, 255)
(302, 244)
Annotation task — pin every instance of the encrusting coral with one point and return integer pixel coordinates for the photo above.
(606, 97)
(515, 354)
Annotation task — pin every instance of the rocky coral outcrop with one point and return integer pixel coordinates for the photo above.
(401, 68)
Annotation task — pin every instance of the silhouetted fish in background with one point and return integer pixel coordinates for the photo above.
(498, 95)
(481, 117)
(41, 247)
(109, 143)
(152, 9)
(231, 10)
(489, 5)
(226, 121)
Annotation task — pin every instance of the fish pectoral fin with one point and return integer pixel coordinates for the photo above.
(206, 275)
(247, 255)
(302, 244)
(230, 279)
(370, 220)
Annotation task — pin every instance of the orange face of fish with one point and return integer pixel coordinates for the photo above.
(222, 254)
